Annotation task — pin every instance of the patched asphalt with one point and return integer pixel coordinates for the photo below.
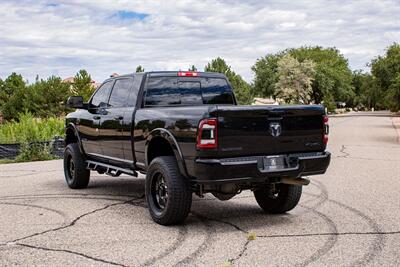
(350, 216)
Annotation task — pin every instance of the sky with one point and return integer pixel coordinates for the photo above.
(47, 38)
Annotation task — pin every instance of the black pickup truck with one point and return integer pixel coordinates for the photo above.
(185, 131)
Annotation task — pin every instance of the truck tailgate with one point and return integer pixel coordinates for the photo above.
(269, 130)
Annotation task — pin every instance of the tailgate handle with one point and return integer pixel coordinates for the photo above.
(275, 118)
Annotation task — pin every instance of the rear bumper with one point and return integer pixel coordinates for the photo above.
(246, 169)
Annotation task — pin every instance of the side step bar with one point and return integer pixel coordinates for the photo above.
(109, 169)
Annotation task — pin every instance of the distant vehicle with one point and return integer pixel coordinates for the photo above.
(185, 131)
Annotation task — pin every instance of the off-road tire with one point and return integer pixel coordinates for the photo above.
(179, 196)
(76, 176)
(287, 197)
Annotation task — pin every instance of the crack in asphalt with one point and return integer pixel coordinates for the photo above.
(322, 251)
(244, 249)
(375, 248)
(70, 252)
(330, 234)
(72, 223)
(202, 247)
(344, 154)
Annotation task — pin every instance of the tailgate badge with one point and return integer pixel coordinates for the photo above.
(275, 129)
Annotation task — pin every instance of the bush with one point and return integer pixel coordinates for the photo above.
(30, 129)
(34, 152)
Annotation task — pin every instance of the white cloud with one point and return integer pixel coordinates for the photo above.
(61, 37)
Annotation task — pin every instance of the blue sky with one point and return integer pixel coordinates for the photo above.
(129, 15)
(105, 36)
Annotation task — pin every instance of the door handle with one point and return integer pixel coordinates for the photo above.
(118, 118)
(96, 117)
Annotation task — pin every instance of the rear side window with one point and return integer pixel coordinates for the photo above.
(102, 94)
(120, 93)
(162, 91)
(217, 91)
(167, 91)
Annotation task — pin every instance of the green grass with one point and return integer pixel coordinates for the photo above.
(31, 129)
(28, 130)
(6, 161)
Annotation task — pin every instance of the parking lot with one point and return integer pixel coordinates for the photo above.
(349, 216)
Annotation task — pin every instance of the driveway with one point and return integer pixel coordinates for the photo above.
(349, 216)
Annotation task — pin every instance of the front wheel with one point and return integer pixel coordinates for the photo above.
(75, 172)
(168, 194)
(278, 198)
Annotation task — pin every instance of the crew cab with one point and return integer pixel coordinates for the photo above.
(186, 133)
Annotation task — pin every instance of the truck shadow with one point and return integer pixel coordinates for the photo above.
(241, 211)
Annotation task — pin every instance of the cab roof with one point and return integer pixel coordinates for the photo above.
(175, 73)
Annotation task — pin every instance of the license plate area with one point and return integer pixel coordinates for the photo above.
(273, 163)
(277, 163)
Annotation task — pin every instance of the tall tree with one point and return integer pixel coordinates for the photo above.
(294, 80)
(367, 92)
(83, 84)
(192, 68)
(332, 78)
(386, 69)
(46, 98)
(241, 88)
(139, 69)
(12, 96)
(266, 74)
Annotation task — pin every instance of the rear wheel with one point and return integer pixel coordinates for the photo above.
(168, 194)
(75, 172)
(278, 198)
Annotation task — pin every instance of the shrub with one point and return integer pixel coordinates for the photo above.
(31, 133)
(34, 152)
(30, 129)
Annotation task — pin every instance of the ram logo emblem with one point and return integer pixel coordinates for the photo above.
(275, 129)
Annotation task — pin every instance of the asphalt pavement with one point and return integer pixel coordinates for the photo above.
(348, 217)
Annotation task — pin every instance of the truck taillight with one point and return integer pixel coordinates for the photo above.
(326, 130)
(188, 73)
(207, 134)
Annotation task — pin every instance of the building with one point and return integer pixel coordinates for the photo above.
(264, 101)
(71, 81)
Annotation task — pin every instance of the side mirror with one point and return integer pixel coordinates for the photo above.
(75, 102)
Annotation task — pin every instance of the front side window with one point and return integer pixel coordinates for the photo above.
(120, 93)
(101, 96)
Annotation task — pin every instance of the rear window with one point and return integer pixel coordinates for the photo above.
(167, 91)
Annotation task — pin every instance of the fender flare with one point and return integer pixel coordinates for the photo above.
(72, 127)
(165, 134)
